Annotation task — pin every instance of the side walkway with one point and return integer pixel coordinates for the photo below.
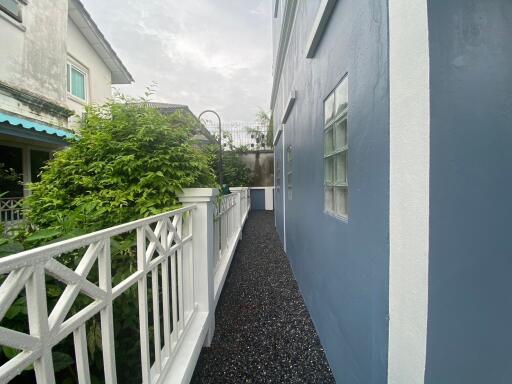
(263, 330)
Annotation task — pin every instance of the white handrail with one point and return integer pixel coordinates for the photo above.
(172, 251)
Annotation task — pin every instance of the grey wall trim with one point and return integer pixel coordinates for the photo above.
(286, 31)
(278, 134)
(289, 106)
(322, 19)
(276, 8)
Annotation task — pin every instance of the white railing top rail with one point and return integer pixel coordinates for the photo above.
(44, 253)
(172, 251)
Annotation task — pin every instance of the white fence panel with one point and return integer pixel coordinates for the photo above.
(11, 211)
(184, 255)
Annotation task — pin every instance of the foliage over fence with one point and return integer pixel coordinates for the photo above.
(129, 163)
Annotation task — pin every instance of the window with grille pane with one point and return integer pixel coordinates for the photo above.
(77, 82)
(278, 176)
(336, 151)
(12, 8)
(289, 172)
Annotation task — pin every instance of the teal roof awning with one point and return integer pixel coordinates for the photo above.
(38, 127)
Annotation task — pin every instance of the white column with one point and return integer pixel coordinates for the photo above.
(240, 209)
(202, 248)
(27, 170)
(409, 190)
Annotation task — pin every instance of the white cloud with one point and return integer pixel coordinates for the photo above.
(204, 53)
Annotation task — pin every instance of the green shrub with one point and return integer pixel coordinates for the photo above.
(130, 162)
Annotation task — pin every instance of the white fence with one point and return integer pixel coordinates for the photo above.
(11, 211)
(184, 254)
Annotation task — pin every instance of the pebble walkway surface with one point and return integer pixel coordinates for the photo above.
(263, 330)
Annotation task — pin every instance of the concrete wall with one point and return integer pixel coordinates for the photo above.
(470, 301)
(99, 75)
(34, 57)
(341, 267)
(261, 163)
(33, 53)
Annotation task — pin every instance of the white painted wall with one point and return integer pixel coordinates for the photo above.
(99, 75)
(409, 190)
(33, 54)
(34, 57)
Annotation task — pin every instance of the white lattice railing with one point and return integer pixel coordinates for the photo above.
(11, 210)
(230, 213)
(174, 252)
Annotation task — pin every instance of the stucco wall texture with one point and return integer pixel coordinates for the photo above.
(470, 302)
(34, 57)
(342, 268)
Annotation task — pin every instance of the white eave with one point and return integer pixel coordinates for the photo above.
(91, 32)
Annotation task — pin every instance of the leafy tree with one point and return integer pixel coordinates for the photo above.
(130, 162)
(266, 119)
(235, 171)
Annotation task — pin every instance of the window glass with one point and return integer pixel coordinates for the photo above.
(340, 168)
(341, 96)
(329, 141)
(12, 8)
(329, 199)
(340, 201)
(340, 134)
(336, 151)
(289, 172)
(77, 82)
(329, 108)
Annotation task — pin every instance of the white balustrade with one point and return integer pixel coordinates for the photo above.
(185, 254)
(11, 211)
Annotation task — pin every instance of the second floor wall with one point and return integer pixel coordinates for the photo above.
(97, 77)
(33, 52)
(54, 62)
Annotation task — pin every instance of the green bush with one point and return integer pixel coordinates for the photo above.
(130, 162)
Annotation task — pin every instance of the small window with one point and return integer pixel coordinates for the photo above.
(289, 171)
(276, 8)
(12, 8)
(278, 176)
(336, 151)
(77, 82)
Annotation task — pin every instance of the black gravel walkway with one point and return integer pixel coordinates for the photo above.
(263, 330)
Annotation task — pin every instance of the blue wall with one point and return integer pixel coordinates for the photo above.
(257, 199)
(278, 196)
(342, 268)
(470, 284)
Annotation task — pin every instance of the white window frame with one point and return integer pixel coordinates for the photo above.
(73, 64)
(289, 172)
(278, 175)
(8, 13)
(337, 117)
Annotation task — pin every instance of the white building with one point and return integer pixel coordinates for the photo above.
(55, 61)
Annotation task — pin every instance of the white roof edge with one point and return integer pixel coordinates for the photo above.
(84, 22)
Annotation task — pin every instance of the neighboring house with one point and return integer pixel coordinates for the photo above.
(54, 62)
(201, 135)
(393, 129)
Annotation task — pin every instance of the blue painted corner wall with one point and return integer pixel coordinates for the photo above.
(470, 264)
(341, 267)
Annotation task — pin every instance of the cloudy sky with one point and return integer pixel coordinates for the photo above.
(203, 53)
